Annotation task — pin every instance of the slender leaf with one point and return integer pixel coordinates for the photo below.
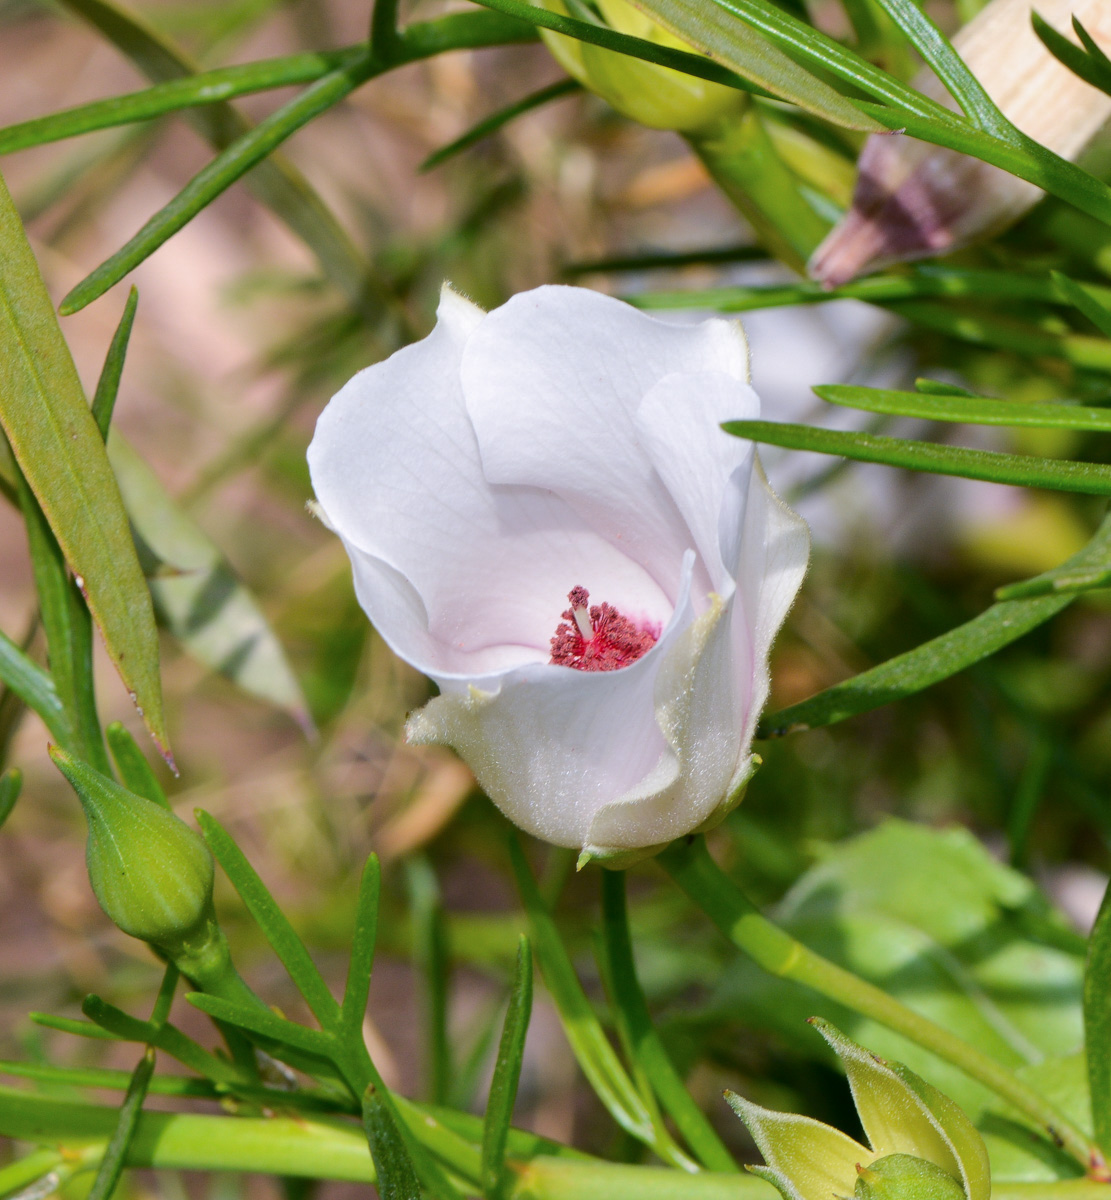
(10, 784)
(1097, 1023)
(507, 1075)
(938, 658)
(663, 260)
(363, 939)
(134, 770)
(595, 1055)
(1093, 302)
(1087, 66)
(716, 32)
(273, 923)
(265, 1023)
(1084, 580)
(115, 1154)
(197, 595)
(395, 1177)
(1019, 470)
(34, 687)
(645, 1042)
(972, 410)
(85, 1029)
(498, 120)
(203, 88)
(59, 450)
(108, 385)
(164, 1036)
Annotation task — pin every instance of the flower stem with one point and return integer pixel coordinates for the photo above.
(690, 865)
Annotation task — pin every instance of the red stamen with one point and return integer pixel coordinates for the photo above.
(614, 642)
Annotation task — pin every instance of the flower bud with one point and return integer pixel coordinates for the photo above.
(150, 872)
(922, 1146)
(904, 1177)
(649, 94)
(914, 199)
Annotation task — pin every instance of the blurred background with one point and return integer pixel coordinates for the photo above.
(240, 340)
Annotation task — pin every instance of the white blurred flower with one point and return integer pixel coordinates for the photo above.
(544, 517)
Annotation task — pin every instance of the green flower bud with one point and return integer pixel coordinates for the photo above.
(150, 872)
(922, 1146)
(649, 94)
(904, 1177)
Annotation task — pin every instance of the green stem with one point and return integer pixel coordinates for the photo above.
(646, 1045)
(690, 865)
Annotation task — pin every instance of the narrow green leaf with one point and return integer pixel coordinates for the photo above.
(1093, 302)
(430, 954)
(68, 630)
(1087, 66)
(395, 1177)
(938, 658)
(647, 1047)
(165, 1037)
(115, 1154)
(1072, 582)
(1097, 1023)
(972, 410)
(85, 1029)
(663, 260)
(273, 923)
(108, 385)
(34, 687)
(165, 998)
(10, 784)
(716, 32)
(1020, 470)
(197, 595)
(601, 35)
(59, 450)
(947, 65)
(265, 1023)
(135, 772)
(203, 88)
(363, 940)
(498, 120)
(595, 1055)
(507, 1075)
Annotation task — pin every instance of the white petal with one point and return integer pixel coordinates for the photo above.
(396, 468)
(705, 470)
(553, 380)
(553, 745)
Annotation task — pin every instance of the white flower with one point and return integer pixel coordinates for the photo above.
(486, 478)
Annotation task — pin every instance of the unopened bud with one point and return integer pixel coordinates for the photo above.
(649, 94)
(904, 1177)
(150, 872)
(914, 199)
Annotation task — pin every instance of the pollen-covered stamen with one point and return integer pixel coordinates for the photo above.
(597, 637)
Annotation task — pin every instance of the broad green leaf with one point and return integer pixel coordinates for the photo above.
(736, 44)
(595, 1055)
(197, 595)
(1097, 1023)
(10, 784)
(942, 656)
(273, 923)
(942, 926)
(111, 1166)
(507, 1074)
(363, 939)
(58, 448)
(645, 1044)
(499, 119)
(1020, 470)
(395, 1177)
(970, 410)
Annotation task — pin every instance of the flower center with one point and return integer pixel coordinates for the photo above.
(596, 637)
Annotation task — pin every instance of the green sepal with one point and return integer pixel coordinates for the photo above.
(904, 1177)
